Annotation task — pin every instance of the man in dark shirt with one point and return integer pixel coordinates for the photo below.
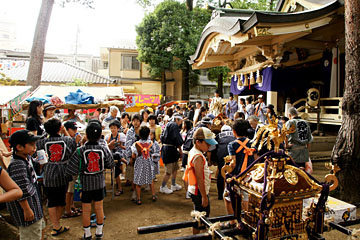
(171, 141)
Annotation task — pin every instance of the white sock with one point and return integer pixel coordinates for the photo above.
(87, 231)
(99, 229)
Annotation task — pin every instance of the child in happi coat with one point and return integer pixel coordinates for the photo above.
(242, 156)
(59, 150)
(142, 153)
(156, 155)
(94, 157)
(26, 212)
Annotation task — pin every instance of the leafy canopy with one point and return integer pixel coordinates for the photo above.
(169, 35)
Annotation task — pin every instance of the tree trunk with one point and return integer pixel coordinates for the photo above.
(189, 4)
(38, 47)
(346, 152)
(220, 84)
(185, 83)
(163, 87)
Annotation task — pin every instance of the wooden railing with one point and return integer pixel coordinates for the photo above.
(331, 111)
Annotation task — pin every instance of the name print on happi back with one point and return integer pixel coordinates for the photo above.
(94, 161)
(55, 151)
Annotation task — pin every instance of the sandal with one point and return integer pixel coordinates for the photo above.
(119, 192)
(138, 202)
(78, 210)
(154, 197)
(56, 232)
(71, 214)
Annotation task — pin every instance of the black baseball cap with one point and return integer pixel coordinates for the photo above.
(22, 137)
(70, 124)
(270, 106)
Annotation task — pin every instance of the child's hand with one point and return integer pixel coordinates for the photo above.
(111, 144)
(205, 201)
(5, 154)
(77, 138)
(28, 215)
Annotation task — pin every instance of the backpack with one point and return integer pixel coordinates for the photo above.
(144, 149)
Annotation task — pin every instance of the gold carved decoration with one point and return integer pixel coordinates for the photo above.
(291, 177)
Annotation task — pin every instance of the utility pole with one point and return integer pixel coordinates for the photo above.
(76, 44)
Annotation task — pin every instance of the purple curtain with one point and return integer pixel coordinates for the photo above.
(266, 85)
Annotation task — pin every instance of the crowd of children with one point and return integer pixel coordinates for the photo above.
(134, 146)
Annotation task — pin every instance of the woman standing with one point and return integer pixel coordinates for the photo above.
(49, 112)
(34, 121)
(153, 125)
(145, 115)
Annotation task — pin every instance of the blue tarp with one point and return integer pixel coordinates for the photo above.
(45, 99)
(79, 97)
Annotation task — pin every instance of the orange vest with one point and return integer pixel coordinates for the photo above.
(189, 174)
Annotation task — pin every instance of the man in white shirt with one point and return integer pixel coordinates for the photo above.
(197, 111)
(260, 109)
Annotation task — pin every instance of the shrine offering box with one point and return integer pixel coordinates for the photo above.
(338, 211)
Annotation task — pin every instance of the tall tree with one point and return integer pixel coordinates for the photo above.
(219, 75)
(346, 152)
(38, 48)
(268, 5)
(168, 36)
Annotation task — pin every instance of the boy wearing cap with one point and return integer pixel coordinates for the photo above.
(197, 173)
(59, 150)
(94, 157)
(27, 212)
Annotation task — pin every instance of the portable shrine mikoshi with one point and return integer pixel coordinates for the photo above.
(268, 198)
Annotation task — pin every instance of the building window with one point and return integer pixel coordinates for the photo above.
(106, 65)
(129, 62)
(81, 64)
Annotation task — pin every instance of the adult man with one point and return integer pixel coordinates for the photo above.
(249, 109)
(255, 125)
(190, 113)
(223, 138)
(298, 142)
(231, 107)
(216, 104)
(113, 114)
(197, 111)
(171, 142)
(260, 109)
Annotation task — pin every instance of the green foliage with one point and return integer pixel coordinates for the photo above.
(77, 82)
(214, 73)
(268, 5)
(169, 35)
(4, 80)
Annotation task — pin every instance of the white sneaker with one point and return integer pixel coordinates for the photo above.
(187, 195)
(165, 190)
(182, 169)
(133, 196)
(176, 187)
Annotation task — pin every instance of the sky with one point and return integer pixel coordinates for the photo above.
(110, 22)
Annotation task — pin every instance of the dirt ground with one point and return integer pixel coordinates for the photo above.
(123, 216)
